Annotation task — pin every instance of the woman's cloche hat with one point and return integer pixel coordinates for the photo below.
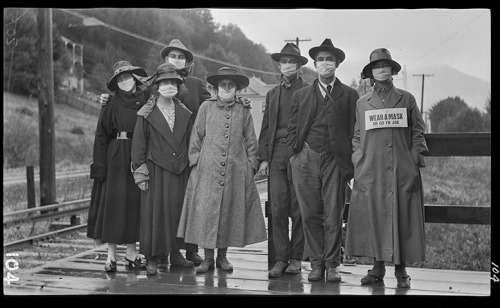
(377, 55)
(327, 45)
(290, 49)
(176, 44)
(122, 67)
(229, 73)
(165, 71)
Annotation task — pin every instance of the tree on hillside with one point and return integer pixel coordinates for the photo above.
(466, 120)
(487, 114)
(444, 109)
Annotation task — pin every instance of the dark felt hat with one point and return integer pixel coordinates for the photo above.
(122, 67)
(290, 49)
(166, 71)
(229, 73)
(327, 45)
(176, 44)
(377, 55)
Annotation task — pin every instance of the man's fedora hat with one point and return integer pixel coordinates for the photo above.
(327, 45)
(176, 44)
(290, 49)
(166, 71)
(122, 67)
(230, 73)
(377, 55)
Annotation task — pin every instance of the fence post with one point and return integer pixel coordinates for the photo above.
(30, 186)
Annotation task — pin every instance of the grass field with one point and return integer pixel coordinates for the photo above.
(446, 180)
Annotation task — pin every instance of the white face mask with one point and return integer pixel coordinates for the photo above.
(326, 68)
(288, 69)
(226, 95)
(167, 90)
(127, 85)
(382, 74)
(179, 63)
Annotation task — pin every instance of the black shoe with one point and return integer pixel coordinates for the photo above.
(205, 266)
(317, 273)
(110, 266)
(138, 262)
(194, 257)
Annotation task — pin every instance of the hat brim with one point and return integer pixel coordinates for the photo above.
(367, 70)
(277, 56)
(339, 54)
(112, 84)
(241, 80)
(166, 77)
(164, 53)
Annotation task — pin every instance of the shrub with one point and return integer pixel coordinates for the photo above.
(20, 138)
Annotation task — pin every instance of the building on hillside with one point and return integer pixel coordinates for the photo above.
(256, 92)
(73, 80)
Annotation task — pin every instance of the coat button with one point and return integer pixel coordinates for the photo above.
(390, 169)
(227, 108)
(221, 183)
(389, 144)
(223, 173)
(174, 154)
(223, 163)
(226, 136)
(224, 154)
(227, 125)
(227, 116)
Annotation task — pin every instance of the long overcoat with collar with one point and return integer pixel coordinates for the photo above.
(386, 212)
(160, 156)
(222, 205)
(270, 119)
(340, 116)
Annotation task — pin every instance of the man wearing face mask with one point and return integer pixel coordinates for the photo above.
(275, 164)
(319, 143)
(386, 213)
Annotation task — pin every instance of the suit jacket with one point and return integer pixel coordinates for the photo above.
(270, 119)
(197, 93)
(340, 118)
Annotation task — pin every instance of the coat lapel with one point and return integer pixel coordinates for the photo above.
(159, 122)
(181, 122)
(394, 97)
(311, 107)
(374, 100)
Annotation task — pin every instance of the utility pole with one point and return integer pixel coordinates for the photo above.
(46, 130)
(297, 40)
(423, 78)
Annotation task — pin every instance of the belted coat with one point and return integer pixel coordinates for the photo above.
(222, 205)
(386, 212)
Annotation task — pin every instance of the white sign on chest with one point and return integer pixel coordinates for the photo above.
(384, 118)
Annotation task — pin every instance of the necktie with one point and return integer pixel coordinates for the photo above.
(328, 90)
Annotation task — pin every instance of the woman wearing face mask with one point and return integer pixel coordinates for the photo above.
(386, 213)
(160, 167)
(222, 205)
(115, 201)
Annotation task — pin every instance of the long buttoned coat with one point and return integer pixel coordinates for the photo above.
(270, 119)
(222, 205)
(340, 118)
(386, 212)
(160, 156)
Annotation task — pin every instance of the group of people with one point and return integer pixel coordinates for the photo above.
(174, 166)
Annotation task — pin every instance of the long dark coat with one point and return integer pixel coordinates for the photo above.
(115, 200)
(222, 205)
(386, 212)
(162, 156)
(340, 117)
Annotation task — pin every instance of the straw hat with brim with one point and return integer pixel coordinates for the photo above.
(327, 45)
(122, 67)
(378, 55)
(165, 71)
(290, 49)
(230, 73)
(176, 44)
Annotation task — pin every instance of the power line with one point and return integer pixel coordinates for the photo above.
(101, 23)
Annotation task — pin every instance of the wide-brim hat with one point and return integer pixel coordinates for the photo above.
(122, 67)
(176, 44)
(290, 49)
(165, 71)
(229, 73)
(377, 55)
(327, 45)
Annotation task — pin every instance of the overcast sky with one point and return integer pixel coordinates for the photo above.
(417, 39)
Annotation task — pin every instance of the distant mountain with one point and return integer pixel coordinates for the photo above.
(446, 82)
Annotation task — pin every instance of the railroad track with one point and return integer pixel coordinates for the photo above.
(21, 179)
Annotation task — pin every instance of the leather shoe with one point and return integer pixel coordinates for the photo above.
(223, 263)
(294, 267)
(333, 274)
(110, 266)
(373, 276)
(403, 279)
(278, 269)
(138, 262)
(177, 259)
(317, 273)
(206, 265)
(194, 257)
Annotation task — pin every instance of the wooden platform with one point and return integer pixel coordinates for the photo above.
(84, 274)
